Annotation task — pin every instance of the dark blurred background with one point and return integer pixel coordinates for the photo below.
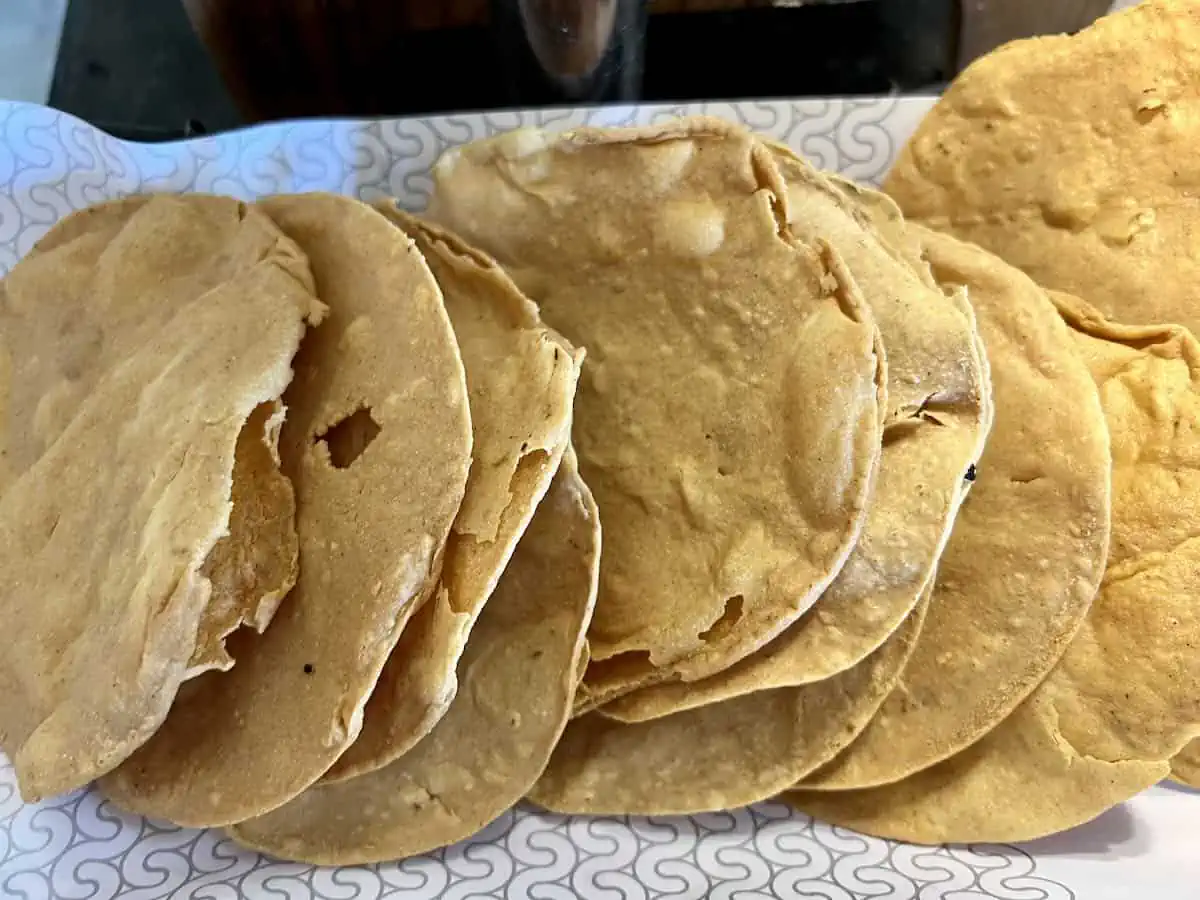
(139, 69)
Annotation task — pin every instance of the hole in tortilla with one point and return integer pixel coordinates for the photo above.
(729, 618)
(620, 667)
(348, 439)
(723, 469)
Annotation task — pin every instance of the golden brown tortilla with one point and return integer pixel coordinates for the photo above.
(377, 444)
(1028, 548)
(887, 220)
(939, 413)
(103, 280)
(1073, 159)
(254, 566)
(1024, 780)
(1122, 701)
(1185, 767)
(518, 673)
(103, 536)
(91, 292)
(723, 755)
(6, 366)
(729, 415)
(1126, 689)
(520, 386)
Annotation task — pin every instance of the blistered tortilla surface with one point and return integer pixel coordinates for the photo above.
(938, 416)
(728, 417)
(1072, 157)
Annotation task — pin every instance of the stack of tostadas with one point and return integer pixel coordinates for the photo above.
(300, 500)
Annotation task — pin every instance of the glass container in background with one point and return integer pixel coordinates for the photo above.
(571, 51)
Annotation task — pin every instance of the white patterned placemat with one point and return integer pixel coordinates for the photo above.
(52, 163)
(80, 847)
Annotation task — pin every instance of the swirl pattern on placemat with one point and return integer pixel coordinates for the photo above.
(52, 163)
(80, 846)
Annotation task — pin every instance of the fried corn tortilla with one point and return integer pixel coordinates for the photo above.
(939, 413)
(518, 674)
(1073, 159)
(728, 418)
(1029, 545)
(1127, 687)
(377, 444)
(6, 375)
(887, 220)
(1185, 767)
(104, 536)
(723, 755)
(254, 566)
(92, 291)
(1024, 780)
(520, 386)
(1122, 701)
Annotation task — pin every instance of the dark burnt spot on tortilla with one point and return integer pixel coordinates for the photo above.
(308, 668)
(971, 472)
